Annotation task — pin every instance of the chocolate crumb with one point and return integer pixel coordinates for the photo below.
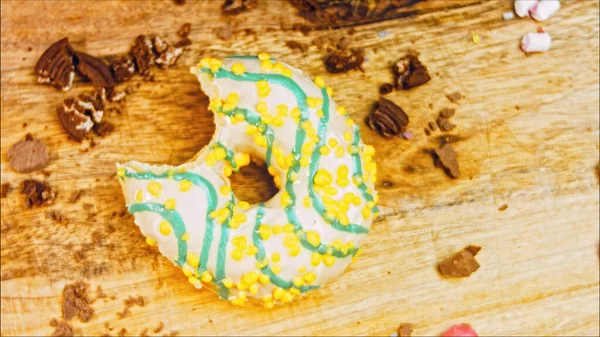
(75, 196)
(405, 330)
(6, 188)
(433, 126)
(38, 193)
(53, 322)
(454, 97)
(183, 43)
(25, 125)
(76, 302)
(234, 7)
(104, 128)
(28, 155)
(446, 156)
(503, 207)
(295, 45)
(445, 124)
(461, 264)
(388, 119)
(159, 328)
(62, 328)
(427, 131)
(447, 112)
(122, 332)
(302, 28)
(55, 66)
(341, 61)
(409, 72)
(224, 32)
(385, 89)
(185, 30)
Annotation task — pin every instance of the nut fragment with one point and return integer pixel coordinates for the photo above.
(94, 69)
(409, 72)
(55, 66)
(142, 54)
(341, 61)
(123, 69)
(74, 121)
(235, 7)
(38, 193)
(388, 119)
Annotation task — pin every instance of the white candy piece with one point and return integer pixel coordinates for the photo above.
(522, 7)
(508, 15)
(545, 9)
(536, 42)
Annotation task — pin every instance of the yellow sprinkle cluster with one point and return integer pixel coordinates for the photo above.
(292, 243)
(263, 89)
(212, 63)
(242, 247)
(369, 164)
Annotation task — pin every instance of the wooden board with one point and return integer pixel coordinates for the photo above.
(528, 130)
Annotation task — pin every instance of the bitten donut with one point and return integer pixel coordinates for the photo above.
(307, 233)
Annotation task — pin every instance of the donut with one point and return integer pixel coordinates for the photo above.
(298, 240)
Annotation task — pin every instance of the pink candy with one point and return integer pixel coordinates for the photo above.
(460, 330)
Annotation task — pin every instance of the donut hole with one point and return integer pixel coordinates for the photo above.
(253, 183)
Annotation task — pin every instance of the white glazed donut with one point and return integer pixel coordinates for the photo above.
(307, 233)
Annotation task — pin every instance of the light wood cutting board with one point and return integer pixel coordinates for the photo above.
(529, 137)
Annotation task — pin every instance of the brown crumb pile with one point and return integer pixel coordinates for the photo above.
(76, 302)
(343, 60)
(61, 328)
(37, 193)
(461, 264)
(130, 302)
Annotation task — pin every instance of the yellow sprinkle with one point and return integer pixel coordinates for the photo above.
(341, 110)
(260, 140)
(251, 130)
(306, 202)
(277, 229)
(264, 279)
(298, 281)
(339, 151)
(240, 217)
(260, 264)
(324, 150)
(315, 259)
(187, 272)
(243, 205)
(302, 269)
(253, 289)
(265, 232)
(204, 62)
(342, 182)
(238, 68)
(185, 185)
(322, 178)
(475, 38)
(154, 188)
(261, 107)
(227, 283)
(349, 122)
(296, 113)
(285, 199)
(294, 250)
(252, 250)
(347, 136)
(311, 102)
(227, 171)
(282, 109)
(289, 228)
(211, 159)
(139, 195)
(275, 257)
(313, 238)
(206, 277)
(264, 92)
(319, 82)
(269, 305)
(185, 236)
(121, 172)
(278, 293)
(193, 260)
(225, 190)
(343, 218)
(237, 254)
(170, 204)
(150, 241)
(241, 159)
(328, 260)
(193, 280)
(319, 113)
(165, 228)
(263, 56)
(241, 285)
(276, 269)
(304, 161)
(242, 242)
(278, 120)
(250, 277)
(329, 91)
(356, 201)
(262, 84)
(308, 148)
(287, 297)
(294, 291)
(220, 153)
(278, 67)
(332, 142)
(330, 190)
(215, 64)
(287, 72)
(290, 241)
(266, 65)
(212, 214)
(310, 277)
(223, 214)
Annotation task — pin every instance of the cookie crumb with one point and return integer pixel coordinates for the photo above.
(55, 66)
(341, 61)
(446, 157)
(454, 97)
(122, 332)
(159, 328)
(460, 264)
(224, 32)
(6, 188)
(409, 72)
(405, 330)
(386, 88)
(104, 128)
(62, 328)
(235, 7)
(75, 196)
(295, 45)
(76, 302)
(185, 30)
(503, 207)
(28, 155)
(38, 193)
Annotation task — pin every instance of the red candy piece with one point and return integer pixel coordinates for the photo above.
(463, 330)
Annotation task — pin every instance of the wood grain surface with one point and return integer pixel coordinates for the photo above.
(528, 137)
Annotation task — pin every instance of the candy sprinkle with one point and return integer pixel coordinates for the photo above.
(475, 38)
(508, 15)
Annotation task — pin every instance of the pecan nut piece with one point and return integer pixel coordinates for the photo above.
(94, 69)
(73, 119)
(123, 69)
(341, 61)
(142, 53)
(409, 72)
(388, 119)
(55, 66)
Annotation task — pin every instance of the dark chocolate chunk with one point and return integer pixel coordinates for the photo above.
(94, 69)
(447, 112)
(409, 72)
(28, 155)
(55, 66)
(388, 119)
(183, 43)
(461, 264)
(341, 61)
(446, 156)
(385, 89)
(433, 126)
(235, 7)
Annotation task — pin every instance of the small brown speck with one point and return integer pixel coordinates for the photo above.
(159, 328)
(122, 332)
(503, 207)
